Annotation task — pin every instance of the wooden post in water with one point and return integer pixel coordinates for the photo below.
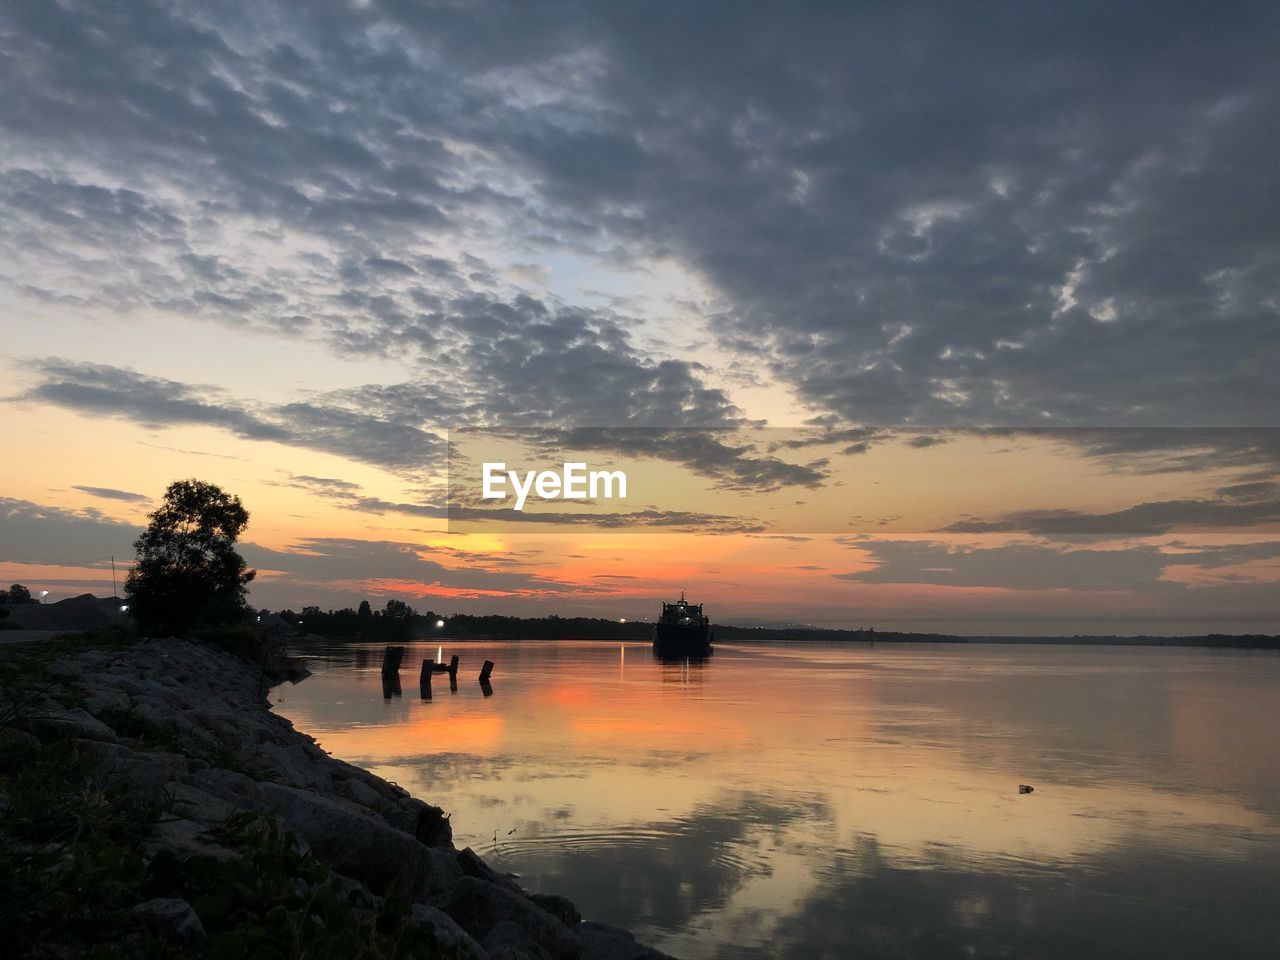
(453, 667)
(390, 685)
(392, 657)
(485, 671)
(425, 681)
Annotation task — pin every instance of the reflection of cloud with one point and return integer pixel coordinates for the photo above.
(662, 874)
(868, 904)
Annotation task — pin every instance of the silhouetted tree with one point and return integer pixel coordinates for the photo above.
(364, 611)
(19, 594)
(399, 610)
(188, 573)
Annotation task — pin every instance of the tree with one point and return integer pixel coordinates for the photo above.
(399, 610)
(19, 594)
(188, 573)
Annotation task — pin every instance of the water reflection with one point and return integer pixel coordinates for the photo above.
(813, 802)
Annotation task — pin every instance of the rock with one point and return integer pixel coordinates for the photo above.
(150, 775)
(229, 785)
(557, 906)
(76, 722)
(479, 906)
(101, 699)
(1026, 788)
(450, 936)
(171, 920)
(473, 866)
(353, 892)
(507, 941)
(359, 845)
(360, 793)
(196, 804)
(603, 942)
(16, 744)
(185, 839)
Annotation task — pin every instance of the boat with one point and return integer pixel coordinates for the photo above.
(683, 630)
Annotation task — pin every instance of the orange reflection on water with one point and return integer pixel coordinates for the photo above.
(923, 746)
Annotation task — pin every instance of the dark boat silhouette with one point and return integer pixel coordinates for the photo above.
(683, 630)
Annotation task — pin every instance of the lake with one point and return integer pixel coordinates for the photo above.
(807, 800)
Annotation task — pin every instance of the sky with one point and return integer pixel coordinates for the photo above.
(295, 249)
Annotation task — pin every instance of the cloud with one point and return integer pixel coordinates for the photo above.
(348, 496)
(1141, 519)
(974, 216)
(33, 533)
(732, 460)
(1038, 566)
(102, 390)
(110, 493)
(326, 561)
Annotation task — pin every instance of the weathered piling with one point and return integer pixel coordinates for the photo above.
(453, 667)
(424, 682)
(390, 684)
(392, 657)
(485, 671)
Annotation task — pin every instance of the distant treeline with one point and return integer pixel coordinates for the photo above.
(398, 621)
(861, 635)
(548, 628)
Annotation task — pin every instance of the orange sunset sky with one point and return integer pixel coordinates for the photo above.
(293, 256)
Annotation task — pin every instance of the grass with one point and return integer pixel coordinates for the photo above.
(71, 842)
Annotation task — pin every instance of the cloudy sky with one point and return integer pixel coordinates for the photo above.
(288, 248)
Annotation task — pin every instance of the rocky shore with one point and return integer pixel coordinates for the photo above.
(234, 797)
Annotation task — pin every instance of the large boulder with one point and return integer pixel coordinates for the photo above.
(360, 845)
(509, 941)
(479, 906)
(455, 941)
(171, 920)
(603, 942)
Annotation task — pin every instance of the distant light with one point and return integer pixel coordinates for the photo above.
(299, 623)
(439, 623)
(623, 620)
(124, 608)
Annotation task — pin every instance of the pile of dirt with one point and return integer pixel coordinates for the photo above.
(85, 612)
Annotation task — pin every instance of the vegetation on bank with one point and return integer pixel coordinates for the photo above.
(74, 875)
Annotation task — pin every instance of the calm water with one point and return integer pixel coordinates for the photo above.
(818, 801)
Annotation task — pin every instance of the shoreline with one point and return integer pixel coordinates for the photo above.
(187, 730)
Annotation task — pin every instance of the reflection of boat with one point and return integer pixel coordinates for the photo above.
(682, 630)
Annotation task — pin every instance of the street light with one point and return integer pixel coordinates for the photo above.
(439, 624)
(43, 594)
